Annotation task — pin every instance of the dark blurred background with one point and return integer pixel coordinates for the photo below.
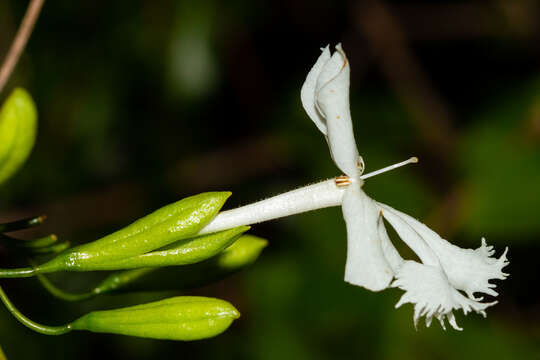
(144, 102)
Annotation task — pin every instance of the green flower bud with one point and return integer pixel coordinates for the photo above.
(18, 124)
(243, 252)
(167, 225)
(240, 254)
(183, 252)
(178, 318)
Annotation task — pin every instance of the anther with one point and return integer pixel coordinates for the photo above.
(342, 181)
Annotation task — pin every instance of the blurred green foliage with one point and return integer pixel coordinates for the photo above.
(501, 162)
(18, 126)
(132, 94)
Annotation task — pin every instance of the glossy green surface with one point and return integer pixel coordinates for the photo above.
(169, 224)
(178, 318)
(243, 252)
(184, 252)
(18, 124)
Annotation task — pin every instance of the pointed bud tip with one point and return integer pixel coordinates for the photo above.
(235, 314)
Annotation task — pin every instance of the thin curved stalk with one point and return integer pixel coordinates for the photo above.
(42, 329)
(18, 273)
(61, 294)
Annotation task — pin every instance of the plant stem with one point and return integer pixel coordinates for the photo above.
(42, 329)
(61, 294)
(18, 272)
(27, 25)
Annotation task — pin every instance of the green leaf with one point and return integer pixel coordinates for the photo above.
(18, 126)
(179, 318)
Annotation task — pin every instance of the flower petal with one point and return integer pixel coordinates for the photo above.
(427, 287)
(467, 269)
(307, 94)
(410, 236)
(390, 252)
(332, 98)
(366, 265)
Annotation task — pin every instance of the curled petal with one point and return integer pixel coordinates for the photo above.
(427, 287)
(467, 269)
(366, 264)
(307, 94)
(332, 99)
(331, 69)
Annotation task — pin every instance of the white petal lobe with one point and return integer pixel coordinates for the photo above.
(467, 269)
(428, 289)
(390, 252)
(410, 236)
(366, 265)
(332, 99)
(307, 94)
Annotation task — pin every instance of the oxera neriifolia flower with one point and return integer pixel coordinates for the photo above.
(447, 278)
(436, 285)
(372, 261)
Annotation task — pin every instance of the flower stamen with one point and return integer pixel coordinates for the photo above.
(343, 180)
(412, 160)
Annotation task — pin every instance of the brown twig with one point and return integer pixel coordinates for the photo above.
(27, 25)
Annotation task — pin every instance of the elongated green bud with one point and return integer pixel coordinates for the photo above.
(184, 252)
(167, 225)
(243, 252)
(42, 242)
(178, 318)
(240, 254)
(18, 124)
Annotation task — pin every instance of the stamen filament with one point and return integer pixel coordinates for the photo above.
(412, 160)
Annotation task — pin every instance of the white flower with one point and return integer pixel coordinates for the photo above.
(434, 285)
